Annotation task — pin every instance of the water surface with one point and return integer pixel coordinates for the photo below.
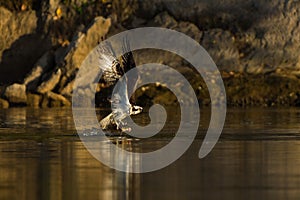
(257, 157)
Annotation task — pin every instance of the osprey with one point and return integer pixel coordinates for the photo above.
(114, 69)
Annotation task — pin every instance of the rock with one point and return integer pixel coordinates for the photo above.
(4, 103)
(50, 83)
(58, 100)
(123, 10)
(148, 9)
(51, 99)
(16, 94)
(163, 57)
(33, 100)
(83, 43)
(45, 102)
(221, 47)
(13, 26)
(43, 64)
(166, 21)
(20, 44)
(67, 90)
(53, 5)
(267, 33)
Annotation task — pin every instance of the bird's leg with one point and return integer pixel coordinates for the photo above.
(106, 122)
(122, 126)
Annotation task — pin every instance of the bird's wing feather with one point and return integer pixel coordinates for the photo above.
(127, 60)
(127, 63)
(109, 64)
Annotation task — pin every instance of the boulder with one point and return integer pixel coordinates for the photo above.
(4, 103)
(33, 100)
(67, 90)
(83, 43)
(16, 94)
(45, 102)
(58, 100)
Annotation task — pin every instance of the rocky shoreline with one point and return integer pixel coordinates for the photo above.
(254, 44)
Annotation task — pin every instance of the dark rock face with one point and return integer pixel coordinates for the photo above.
(246, 36)
(42, 49)
(222, 48)
(158, 56)
(43, 65)
(20, 44)
(50, 82)
(53, 71)
(11, 29)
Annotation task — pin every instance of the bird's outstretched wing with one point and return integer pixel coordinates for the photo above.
(114, 68)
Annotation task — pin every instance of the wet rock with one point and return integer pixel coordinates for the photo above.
(67, 90)
(58, 100)
(45, 101)
(4, 103)
(16, 94)
(41, 67)
(33, 100)
(50, 83)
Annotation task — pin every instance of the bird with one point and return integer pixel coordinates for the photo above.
(113, 70)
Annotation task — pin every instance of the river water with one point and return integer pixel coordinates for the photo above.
(257, 157)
